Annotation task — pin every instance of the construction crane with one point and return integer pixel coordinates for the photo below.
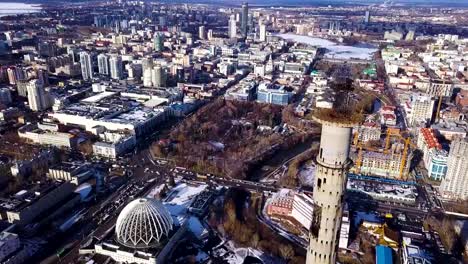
(441, 95)
(391, 132)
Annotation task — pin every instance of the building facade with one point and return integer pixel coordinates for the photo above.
(329, 187)
(455, 183)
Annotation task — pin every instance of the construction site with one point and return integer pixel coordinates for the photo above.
(386, 155)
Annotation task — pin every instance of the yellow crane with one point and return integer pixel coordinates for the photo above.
(391, 132)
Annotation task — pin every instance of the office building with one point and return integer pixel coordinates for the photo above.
(245, 19)
(103, 64)
(455, 183)
(86, 66)
(232, 27)
(210, 34)
(116, 67)
(263, 33)
(202, 32)
(273, 94)
(367, 17)
(158, 42)
(158, 76)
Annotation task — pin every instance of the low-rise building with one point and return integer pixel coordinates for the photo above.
(26, 205)
(296, 205)
(273, 94)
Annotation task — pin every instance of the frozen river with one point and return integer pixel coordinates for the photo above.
(10, 8)
(362, 52)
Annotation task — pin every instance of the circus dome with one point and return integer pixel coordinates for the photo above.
(143, 223)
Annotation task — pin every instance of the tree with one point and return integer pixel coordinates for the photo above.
(255, 240)
(286, 251)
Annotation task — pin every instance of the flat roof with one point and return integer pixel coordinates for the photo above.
(383, 255)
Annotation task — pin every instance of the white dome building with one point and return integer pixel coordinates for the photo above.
(143, 223)
(144, 234)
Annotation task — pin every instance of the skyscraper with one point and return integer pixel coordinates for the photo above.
(262, 35)
(103, 64)
(37, 97)
(158, 42)
(86, 66)
(245, 19)
(210, 34)
(367, 17)
(147, 66)
(329, 187)
(158, 76)
(202, 32)
(232, 27)
(116, 68)
(455, 183)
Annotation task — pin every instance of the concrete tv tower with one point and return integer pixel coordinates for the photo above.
(329, 188)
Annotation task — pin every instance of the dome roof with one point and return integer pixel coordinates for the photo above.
(143, 223)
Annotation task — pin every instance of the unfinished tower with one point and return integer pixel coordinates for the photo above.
(329, 187)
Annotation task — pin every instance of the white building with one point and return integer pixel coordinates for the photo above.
(86, 65)
(419, 109)
(455, 183)
(303, 209)
(38, 99)
(113, 144)
(232, 27)
(298, 205)
(103, 64)
(116, 68)
(44, 137)
(263, 32)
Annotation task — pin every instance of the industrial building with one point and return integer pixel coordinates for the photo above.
(26, 205)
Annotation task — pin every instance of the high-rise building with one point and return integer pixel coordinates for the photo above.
(116, 68)
(103, 64)
(262, 36)
(158, 76)
(232, 27)
(455, 183)
(202, 32)
(367, 17)
(38, 99)
(420, 110)
(158, 42)
(245, 19)
(210, 34)
(47, 49)
(11, 76)
(329, 187)
(5, 96)
(86, 66)
(146, 67)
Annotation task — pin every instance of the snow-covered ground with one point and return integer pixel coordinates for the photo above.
(177, 202)
(155, 191)
(239, 254)
(307, 174)
(335, 51)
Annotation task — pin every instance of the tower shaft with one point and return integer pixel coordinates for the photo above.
(329, 187)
